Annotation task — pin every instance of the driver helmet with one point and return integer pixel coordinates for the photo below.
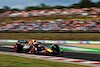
(26, 41)
(34, 40)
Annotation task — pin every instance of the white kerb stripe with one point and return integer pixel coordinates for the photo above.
(71, 60)
(90, 62)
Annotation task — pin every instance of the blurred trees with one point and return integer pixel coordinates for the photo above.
(58, 7)
(16, 9)
(97, 4)
(4, 9)
(29, 8)
(86, 4)
(74, 6)
(42, 6)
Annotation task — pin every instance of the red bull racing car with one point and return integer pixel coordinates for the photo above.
(38, 48)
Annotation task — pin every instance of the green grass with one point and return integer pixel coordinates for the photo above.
(52, 36)
(13, 61)
(7, 43)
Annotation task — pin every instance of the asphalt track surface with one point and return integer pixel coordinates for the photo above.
(68, 54)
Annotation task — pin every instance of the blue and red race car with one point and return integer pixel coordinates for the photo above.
(38, 48)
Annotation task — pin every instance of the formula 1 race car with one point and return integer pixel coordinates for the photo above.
(36, 48)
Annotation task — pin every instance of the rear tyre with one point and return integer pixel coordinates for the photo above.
(17, 48)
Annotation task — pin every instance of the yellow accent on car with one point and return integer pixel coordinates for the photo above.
(49, 50)
(33, 41)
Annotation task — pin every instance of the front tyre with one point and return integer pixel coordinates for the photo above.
(55, 48)
(32, 49)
